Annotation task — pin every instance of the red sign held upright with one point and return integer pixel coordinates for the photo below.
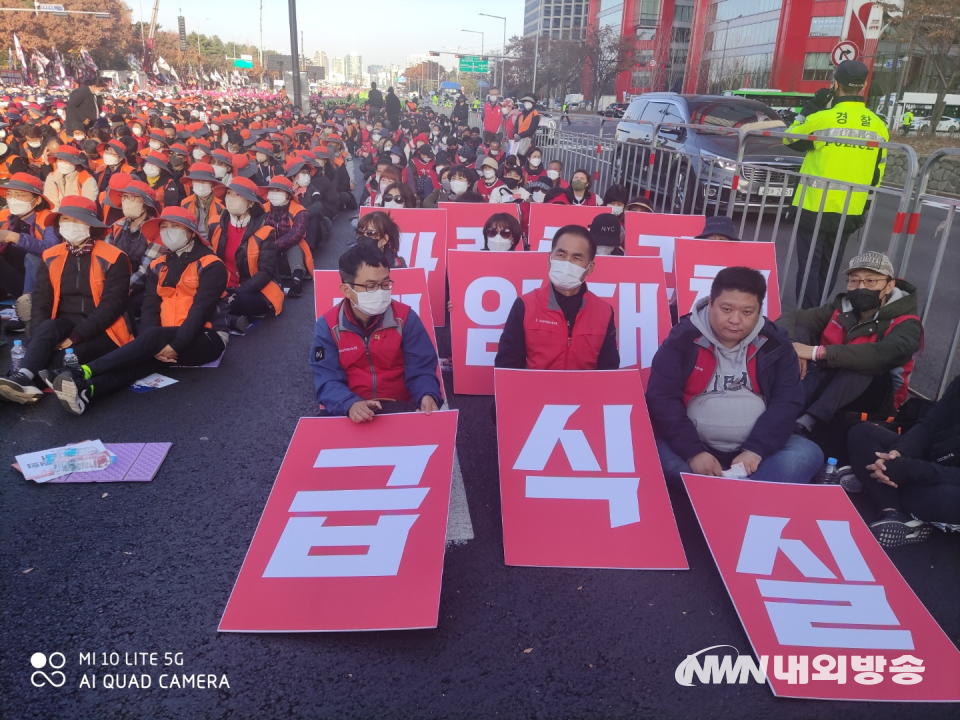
(545, 220)
(465, 222)
(655, 234)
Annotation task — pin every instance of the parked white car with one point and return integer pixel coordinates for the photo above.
(946, 124)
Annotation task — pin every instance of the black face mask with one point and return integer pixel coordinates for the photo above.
(511, 183)
(863, 300)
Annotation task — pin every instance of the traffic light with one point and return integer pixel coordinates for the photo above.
(434, 53)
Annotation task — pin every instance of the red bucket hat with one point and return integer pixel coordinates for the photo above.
(78, 208)
(279, 182)
(134, 187)
(70, 154)
(25, 182)
(247, 189)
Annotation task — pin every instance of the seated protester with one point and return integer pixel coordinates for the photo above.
(384, 176)
(205, 200)
(371, 353)
(914, 478)
(489, 180)
(562, 325)
(441, 191)
(111, 212)
(471, 197)
(639, 205)
(448, 155)
(398, 195)
(724, 389)
(616, 199)
(222, 162)
(555, 174)
(266, 165)
(579, 191)
(114, 161)
(321, 183)
(48, 158)
(491, 150)
(377, 229)
(501, 232)
(78, 302)
(609, 233)
(538, 190)
(184, 286)
(10, 161)
(248, 248)
(856, 353)
(422, 172)
(511, 191)
(318, 224)
(156, 173)
(339, 175)
(719, 227)
(23, 239)
(32, 148)
(136, 200)
(533, 167)
(69, 178)
(157, 141)
(289, 219)
(179, 166)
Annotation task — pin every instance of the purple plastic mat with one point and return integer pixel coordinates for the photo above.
(136, 462)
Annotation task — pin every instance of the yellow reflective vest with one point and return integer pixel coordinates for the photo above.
(856, 164)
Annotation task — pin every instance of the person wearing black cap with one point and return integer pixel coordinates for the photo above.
(719, 227)
(608, 232)
(837, 111)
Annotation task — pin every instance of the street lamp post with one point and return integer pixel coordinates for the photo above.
(499, 78)
(536, 46)
(726, 38)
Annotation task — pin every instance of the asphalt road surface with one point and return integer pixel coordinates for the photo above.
(148, 567)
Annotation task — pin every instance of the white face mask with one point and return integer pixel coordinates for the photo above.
(219, 170)
(111, 159)
(138, 131)
(498, 244)
(76, 138)
(375, 137)
(489, 173)
(132, 208)
(65, 168)
(616, 209)
(214, 128)
(261, 158)
(197, 154)
(458, 186)
(535, 162)
(34, 143)
(156, 145)
(278, 198)
(237, 206)
(565, 275)
(303, 179)
(75, 233)
(369, 128)
(528, 105)
(553, 174)
(151, 170)
(373, 303)
(19, 207)
(202, 189)
(539, 196)
(393, 204)
(175, 238)
(604, 249)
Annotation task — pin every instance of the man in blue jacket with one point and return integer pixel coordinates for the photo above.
(372, 354)
(725, 390)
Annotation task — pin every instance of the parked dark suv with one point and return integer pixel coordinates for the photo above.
(695, 168)
(614, 110)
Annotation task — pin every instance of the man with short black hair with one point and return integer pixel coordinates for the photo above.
(372, 354)
(562, 325)
(724, 390)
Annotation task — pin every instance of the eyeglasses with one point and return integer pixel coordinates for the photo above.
(373, 287)
(869, 283)
(394, 198)
(370, 234)
(505, 233)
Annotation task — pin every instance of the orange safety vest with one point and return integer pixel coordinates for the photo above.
(38, 221)
(175, 302)
(295, 208)
(525, 122)
(5, 173)
(271, 291)
(103, 257)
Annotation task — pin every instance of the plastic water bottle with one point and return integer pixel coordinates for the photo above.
(70, 359)
(16, 354)
(829, 475)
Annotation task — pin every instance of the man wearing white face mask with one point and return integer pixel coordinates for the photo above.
(562, 325)
(203, 202)
(69, 178)
(370, 353)
(289, 220)
(78, 302)
(184, 286)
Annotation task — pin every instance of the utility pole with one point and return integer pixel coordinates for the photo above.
(303, 50)
(536, 46)
(261, 42)
(294, 55)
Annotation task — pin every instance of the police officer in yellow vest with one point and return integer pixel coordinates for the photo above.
(907, 121)
(834, 112)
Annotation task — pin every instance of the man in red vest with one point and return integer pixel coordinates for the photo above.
(857, 352)
(724, 390)
(372, 354)
(562, 325)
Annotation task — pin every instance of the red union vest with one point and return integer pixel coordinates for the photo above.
(549, 345)
(835, 334)
(705, 368)
(373, 364)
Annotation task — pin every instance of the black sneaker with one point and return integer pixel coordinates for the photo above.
(895, 529)
(239, 324)
(15, 326)
(48, 376)
(296, 288)
(18, 388)
(73, 392)
(848, 481)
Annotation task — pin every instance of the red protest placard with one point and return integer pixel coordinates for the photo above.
(818, 597)
(465, 222)
(410, 288)
(423, 244)
(580, 480)
(484, 286)
(655, 233)
(699, 261)
(352, 536)
(545, 220)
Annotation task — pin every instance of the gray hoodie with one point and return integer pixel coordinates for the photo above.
(725, 413)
